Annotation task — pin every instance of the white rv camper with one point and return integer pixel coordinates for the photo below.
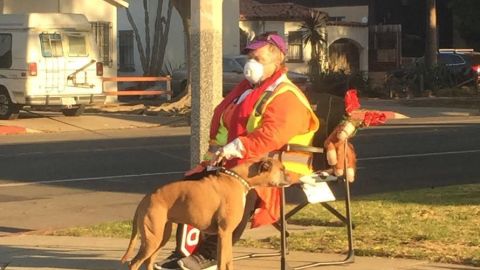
(48, 60)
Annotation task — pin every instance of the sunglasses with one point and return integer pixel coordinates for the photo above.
(268, 38)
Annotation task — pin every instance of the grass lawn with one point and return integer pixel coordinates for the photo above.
(440, 224)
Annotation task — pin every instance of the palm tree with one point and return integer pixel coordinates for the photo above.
(314, 33)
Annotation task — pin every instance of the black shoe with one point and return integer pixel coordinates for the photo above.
(197, 262)
(170, 263)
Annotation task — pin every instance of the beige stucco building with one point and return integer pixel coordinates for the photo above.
(175, 50)
(346, 33)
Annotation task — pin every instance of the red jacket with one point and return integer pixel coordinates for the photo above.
(284, 117)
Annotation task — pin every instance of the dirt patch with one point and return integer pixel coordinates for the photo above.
(138, 108)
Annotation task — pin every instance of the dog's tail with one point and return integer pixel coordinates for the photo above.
(133, 238)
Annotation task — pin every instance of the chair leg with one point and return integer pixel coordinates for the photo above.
(349, 223)
(282, 225)
(350, 258)
(335, 212)
(283, 234)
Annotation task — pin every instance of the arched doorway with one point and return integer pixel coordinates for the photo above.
(344, 55)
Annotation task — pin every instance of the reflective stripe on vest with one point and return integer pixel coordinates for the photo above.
(302, 139)
(221, 137)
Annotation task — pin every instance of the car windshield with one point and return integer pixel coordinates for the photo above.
(241, 61)
(230, 65)
(450, 59)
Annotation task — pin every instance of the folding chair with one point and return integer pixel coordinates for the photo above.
(330, 110)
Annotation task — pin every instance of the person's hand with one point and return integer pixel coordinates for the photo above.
(234, 149)
(340, 152)
(218, 158)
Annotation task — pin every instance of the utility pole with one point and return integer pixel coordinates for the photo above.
(206, 52)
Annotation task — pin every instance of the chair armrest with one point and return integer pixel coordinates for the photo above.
(301, 148)
(319, 177)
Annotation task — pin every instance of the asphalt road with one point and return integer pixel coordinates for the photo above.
(57, 180)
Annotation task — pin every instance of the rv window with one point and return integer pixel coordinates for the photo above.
(5, 50)
(77, 46)
(51, 45)
(103, 38)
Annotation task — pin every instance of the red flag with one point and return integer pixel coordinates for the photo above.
(373, 118)
(351, 101)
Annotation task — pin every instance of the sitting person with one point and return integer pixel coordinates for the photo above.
(259, 116)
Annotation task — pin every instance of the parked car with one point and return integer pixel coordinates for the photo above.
(232, 75)
(456, 67)
(463, 65)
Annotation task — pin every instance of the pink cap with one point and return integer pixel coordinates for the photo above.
(265, 39)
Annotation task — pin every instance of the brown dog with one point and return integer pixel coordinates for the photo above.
(213, 204)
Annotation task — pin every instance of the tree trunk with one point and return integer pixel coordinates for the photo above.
(158, 29)
(183, 8)
(314, 61)
(188, 45)
(184, 100)
(147, 32)
(431, 41)
(143, 59)
(164, 38)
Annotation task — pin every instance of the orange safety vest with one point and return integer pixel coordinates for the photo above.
(269, 210)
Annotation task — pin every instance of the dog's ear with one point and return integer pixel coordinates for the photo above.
(265, 165)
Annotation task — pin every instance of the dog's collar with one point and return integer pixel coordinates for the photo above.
(236, 176)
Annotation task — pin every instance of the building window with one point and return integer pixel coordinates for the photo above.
(103, 38)
(125, 51)
(5, 50)
(336, 18)
(295, 46)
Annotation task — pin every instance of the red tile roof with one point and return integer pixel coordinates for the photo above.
(251, 10)
(348, 24)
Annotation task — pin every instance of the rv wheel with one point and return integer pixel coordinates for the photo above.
(75, 111)
(8, 110)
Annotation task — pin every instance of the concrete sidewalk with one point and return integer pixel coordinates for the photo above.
(28, 252)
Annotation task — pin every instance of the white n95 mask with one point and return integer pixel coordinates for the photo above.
(253, 71)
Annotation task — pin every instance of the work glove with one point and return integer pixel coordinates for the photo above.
(234, 149)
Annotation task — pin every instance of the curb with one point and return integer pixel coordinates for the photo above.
(10, 130)
(16, 130)
(394, 115)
